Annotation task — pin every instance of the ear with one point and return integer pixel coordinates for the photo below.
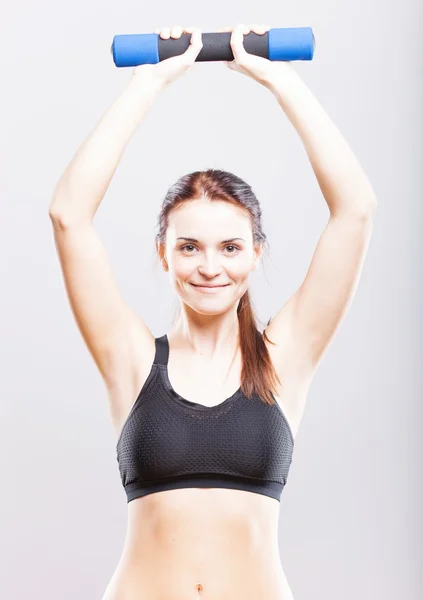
(162, 255)
(258, 251)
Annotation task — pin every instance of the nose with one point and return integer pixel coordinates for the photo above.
(210, 266)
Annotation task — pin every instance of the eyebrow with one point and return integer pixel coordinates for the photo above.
(197, 242)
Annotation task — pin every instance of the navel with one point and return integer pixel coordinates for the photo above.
(199, 587)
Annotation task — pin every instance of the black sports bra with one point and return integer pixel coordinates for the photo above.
(168, 442)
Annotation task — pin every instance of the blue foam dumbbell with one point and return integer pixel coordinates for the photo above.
(287, 44)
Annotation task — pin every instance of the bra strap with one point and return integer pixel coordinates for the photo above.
(162, 350)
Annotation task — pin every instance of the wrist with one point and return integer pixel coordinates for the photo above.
(284, 78)
(142, 83)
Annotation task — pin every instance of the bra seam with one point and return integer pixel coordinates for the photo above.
(146, 385)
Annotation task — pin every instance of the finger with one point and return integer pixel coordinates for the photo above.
(164, 32)
(196, 43)
(190, 30)
(260, 29)
(237, 42)
(176, 32)
(266, 28)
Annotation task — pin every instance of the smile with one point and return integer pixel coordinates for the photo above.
(209, 289)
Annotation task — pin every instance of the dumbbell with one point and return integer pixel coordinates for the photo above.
(286, 43)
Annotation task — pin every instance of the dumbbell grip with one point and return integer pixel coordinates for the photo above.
(286, 44)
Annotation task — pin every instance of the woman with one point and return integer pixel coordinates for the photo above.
(206, 416)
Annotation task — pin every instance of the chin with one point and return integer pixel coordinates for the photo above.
(209, 306)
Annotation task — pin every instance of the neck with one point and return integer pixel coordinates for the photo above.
(206, 334)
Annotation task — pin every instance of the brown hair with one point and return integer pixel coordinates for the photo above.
(258, 375)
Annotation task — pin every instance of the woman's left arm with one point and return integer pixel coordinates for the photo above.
(306, 324)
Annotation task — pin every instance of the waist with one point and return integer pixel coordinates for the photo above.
(222, 540)
(169, 579)
(220, 567)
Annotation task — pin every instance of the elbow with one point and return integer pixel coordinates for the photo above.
(372, 205)
(365, 210)
(54, 212)
(53, 215)
(368, 210)
(63, 215)
(63, 221)
(371, 208)
(56, 217)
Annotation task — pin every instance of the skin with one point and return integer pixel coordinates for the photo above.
(223, 542)
(209, 322)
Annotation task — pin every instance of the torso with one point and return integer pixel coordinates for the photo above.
(203, 544)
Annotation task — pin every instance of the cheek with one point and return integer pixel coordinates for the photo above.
(183, 268)
(239, 269)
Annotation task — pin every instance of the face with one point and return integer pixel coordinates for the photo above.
(210, 244)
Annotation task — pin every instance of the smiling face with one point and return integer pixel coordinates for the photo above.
(210, 244)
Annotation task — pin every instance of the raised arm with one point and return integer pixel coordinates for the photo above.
(306, 324)
(113, 333)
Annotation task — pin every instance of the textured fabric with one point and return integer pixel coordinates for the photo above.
(168, 442)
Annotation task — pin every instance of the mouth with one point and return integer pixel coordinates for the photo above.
(209, 288)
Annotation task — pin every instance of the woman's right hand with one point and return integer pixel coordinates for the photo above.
(166, 71)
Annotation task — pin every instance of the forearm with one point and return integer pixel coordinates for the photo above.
(341, 179)
(81, 188)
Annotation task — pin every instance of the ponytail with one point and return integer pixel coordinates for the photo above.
(258, 374)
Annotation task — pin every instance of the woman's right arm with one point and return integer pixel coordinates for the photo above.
(82, 186)
(115, 335)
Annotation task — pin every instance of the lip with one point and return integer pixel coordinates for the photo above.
(209, 289)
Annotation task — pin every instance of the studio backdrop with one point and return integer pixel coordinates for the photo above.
(350, 524)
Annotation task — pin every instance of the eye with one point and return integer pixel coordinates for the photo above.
(232, 246)
(187, 246)
(192, 246)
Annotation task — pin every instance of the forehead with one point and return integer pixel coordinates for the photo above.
(206, 220)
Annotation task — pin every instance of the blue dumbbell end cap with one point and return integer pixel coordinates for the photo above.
(131, 50)
(291, 43)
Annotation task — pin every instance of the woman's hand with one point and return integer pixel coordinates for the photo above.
(262, 70)
(166, 71)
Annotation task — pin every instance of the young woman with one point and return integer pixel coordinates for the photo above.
(206, 415)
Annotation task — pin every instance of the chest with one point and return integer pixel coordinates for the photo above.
(210, 387)
(169, 436)
(207, 384)
(204, 385)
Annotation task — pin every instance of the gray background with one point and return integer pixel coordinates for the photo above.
(350, 525)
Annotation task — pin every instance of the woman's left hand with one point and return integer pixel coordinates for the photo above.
(262, 70)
